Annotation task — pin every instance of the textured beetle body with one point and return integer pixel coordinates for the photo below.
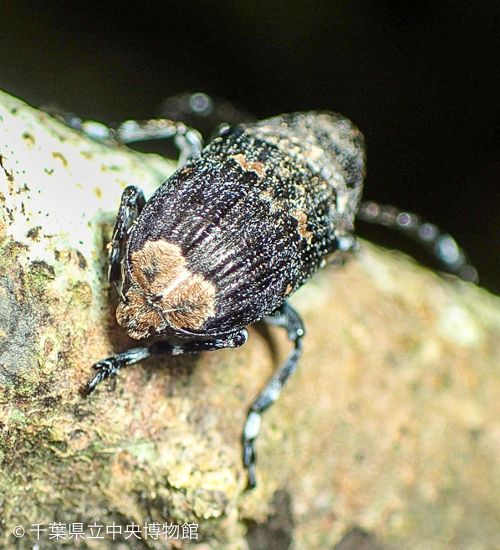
(235, 231)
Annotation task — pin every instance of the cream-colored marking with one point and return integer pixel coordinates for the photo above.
(163, 293)
(342, 201)
(174, 285)
(315, 152)
(254, 166)
(301, 217)
(266, 195)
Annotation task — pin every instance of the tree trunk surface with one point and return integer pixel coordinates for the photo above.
(387, 436)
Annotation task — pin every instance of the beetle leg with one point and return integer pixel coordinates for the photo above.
(440, 245)
(209, 115)
(187, 140)
(109, 366)
(288, 318)
(131, 206)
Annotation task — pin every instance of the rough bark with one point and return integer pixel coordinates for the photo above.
(388, 432)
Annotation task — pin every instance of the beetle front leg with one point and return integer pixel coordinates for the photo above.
(288, 318)
(187, 140)
(109, 366)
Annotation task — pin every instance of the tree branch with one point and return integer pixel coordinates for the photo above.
(391, 423)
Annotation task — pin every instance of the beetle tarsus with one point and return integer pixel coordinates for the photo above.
(105, 369)
(109, 366)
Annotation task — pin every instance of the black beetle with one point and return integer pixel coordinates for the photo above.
(234, 232)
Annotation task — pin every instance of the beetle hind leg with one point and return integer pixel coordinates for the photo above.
(288, 318)
(109, 366)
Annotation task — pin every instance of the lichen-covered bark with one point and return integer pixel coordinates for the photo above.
(390, 425)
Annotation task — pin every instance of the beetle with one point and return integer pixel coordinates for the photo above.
(233, 233)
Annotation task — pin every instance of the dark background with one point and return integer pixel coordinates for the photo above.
(420, 79)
